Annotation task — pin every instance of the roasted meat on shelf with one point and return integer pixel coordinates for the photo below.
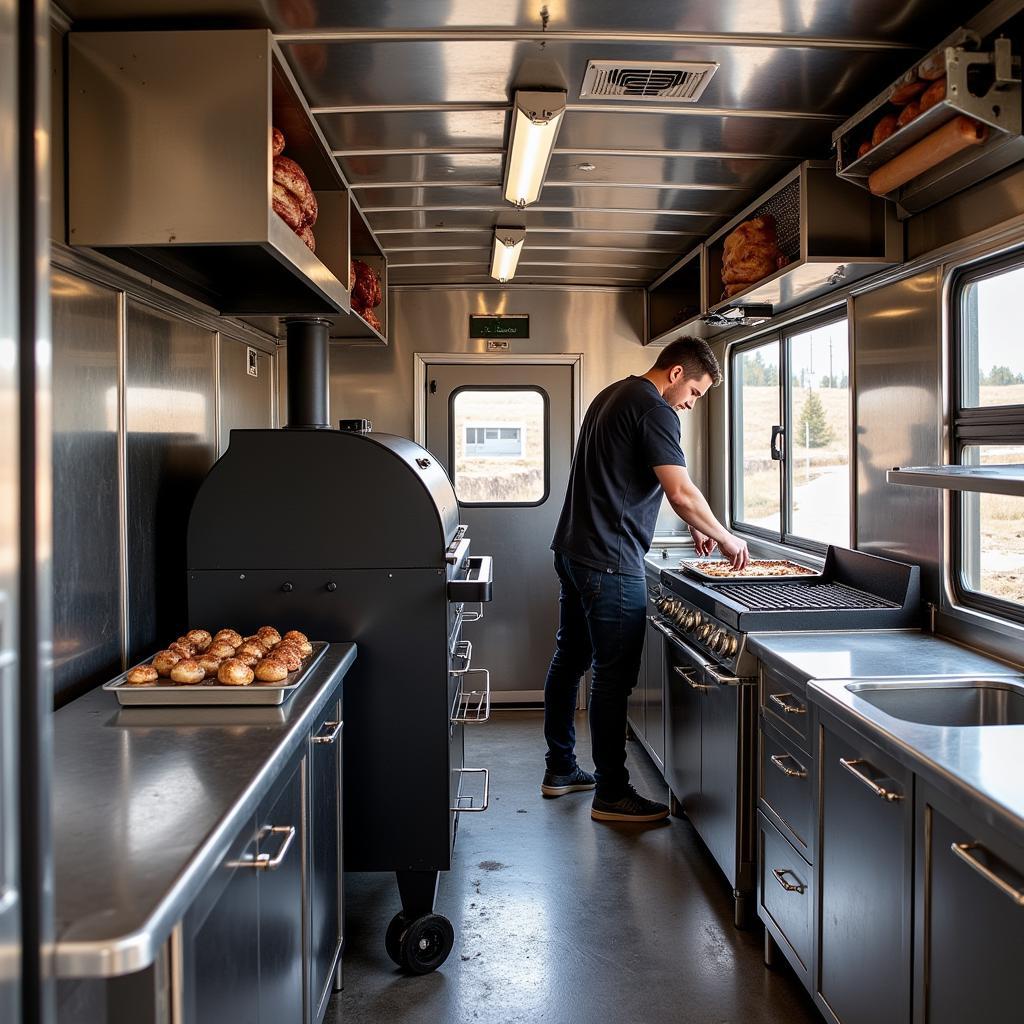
(293, 199)
(365, 286)
(750, 253)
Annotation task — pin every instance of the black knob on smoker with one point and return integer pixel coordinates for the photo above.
(332, 587)
(287, 588)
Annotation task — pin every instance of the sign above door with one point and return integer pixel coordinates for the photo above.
(505, 325)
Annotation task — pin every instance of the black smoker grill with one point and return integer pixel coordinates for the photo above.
(363, 544)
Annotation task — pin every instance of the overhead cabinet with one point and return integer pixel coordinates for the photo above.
(830, 234)
(676, 301)
(170, 170)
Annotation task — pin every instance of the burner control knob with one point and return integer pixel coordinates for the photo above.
(717, 638)
(689, 620)
(705, 631)
(731, 646)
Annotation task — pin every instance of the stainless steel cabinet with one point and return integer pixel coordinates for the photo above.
(864, 881)
(969, 943)
(683, 689)
(654, 696)
(220, 941)
(280, 845)
(325, 878)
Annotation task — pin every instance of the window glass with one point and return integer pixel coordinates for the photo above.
(819, 434)
(992, 541)
(756, 489)
(499, 446)
(992, 353)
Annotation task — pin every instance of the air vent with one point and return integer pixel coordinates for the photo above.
(679, 82)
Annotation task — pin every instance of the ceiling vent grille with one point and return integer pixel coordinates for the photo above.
(678, 82)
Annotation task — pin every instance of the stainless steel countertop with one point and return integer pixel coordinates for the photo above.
(979, 766)
(871, 654)
(146, 801)
(665, 553)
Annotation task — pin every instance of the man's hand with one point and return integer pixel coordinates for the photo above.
(703, 544)
(736, 551)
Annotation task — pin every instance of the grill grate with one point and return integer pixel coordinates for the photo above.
(789, 597)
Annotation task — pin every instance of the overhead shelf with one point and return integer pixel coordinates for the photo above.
(1004, 479)
(831, 233)
(363, 246)
(170, 171)
(675, 302)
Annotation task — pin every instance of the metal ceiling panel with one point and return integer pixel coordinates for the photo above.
(533, 255)
(448, 130)
(696, 134)
(412, 241)
(697, 202)
(589, 220)
(449, 168)
(783, 78)
(674, 172)
(875, 20)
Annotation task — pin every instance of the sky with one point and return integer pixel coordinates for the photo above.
(1001, 321)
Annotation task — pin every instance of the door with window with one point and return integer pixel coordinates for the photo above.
(504, 433)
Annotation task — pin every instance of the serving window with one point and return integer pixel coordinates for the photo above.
(790, 435)
(987, 536)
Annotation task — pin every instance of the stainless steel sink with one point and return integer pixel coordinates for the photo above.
(958, 703)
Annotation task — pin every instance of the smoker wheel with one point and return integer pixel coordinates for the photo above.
(393, 937)
(423, 944)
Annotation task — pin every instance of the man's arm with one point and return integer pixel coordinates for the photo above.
(691, 506)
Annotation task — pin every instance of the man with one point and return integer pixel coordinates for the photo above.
(628, 456)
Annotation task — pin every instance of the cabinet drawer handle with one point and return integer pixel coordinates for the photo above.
(789, 709)
(330, 737)
(796, 886)
(263, 861)
(963, 851)
(880, 791)
(799, 772)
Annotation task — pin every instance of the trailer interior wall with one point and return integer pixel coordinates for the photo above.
(900, 386)
(605, 325)
(145, 391)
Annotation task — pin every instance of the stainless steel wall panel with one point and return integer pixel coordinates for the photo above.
(10, 875)
(473, 70)
(649, 171)
(898, 414)
(171, 444)
(245, 401)
(87, 632)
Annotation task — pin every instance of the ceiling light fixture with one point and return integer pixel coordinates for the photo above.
(508, 244)
(536, 118)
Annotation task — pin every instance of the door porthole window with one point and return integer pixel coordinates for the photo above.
(498, 445)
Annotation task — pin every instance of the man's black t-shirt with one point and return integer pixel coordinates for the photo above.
(612, 501)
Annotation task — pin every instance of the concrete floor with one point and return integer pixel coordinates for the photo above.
(558, 918)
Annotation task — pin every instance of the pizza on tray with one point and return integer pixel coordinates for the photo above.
(757, 568)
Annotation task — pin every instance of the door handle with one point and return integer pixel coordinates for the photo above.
(263, 861)
(690, 677)
(777, 432)
(851, 765)
(329, 737)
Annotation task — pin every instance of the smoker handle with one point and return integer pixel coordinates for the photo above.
(475, 586)
(963, 851)
(472, 707)
(483, 807)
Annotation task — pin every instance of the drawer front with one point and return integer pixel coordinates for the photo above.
(785, 895)
(784, 704)
(785, 787)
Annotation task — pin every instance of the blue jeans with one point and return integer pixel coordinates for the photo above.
(602, 617)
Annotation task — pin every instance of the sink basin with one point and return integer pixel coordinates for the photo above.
(947, 702)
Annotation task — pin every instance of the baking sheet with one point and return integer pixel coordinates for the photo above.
(692, 568)
(171, 695)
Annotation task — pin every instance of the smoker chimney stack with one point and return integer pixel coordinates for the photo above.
(308, 348)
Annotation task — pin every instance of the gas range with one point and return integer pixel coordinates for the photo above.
(705, 633)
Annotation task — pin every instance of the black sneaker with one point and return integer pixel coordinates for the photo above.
(630, 807)
(574, 782)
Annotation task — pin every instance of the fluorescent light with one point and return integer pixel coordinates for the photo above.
(536, 118)
(508, 244)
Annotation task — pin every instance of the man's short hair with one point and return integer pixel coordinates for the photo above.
(694, 356)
